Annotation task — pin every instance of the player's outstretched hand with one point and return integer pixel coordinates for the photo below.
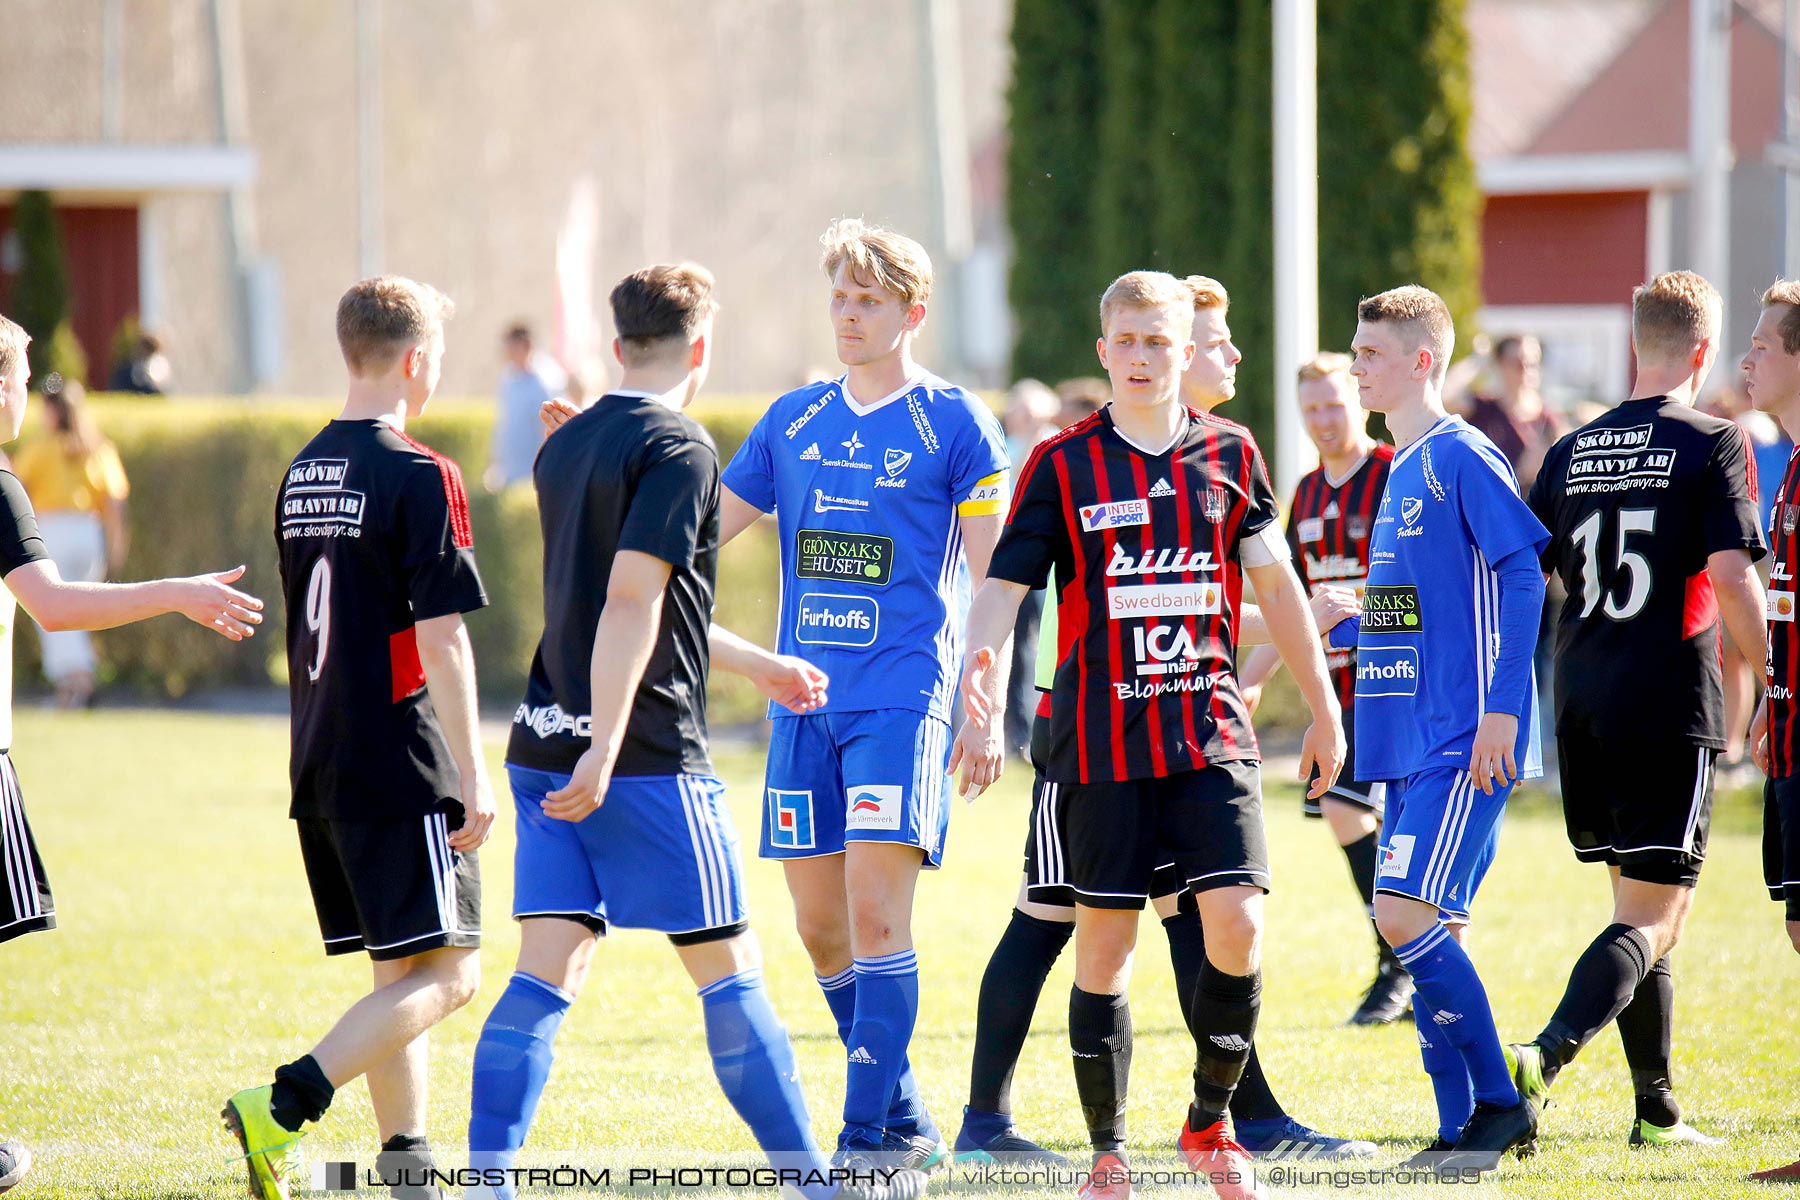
(1322, 752)
(209, 600)
(1333, 605)
(581, 797)
(1491, 759)
(479, 811)
(975, 702)
(979, 752)
(1252, 698)
(793, 683)
(555, 412)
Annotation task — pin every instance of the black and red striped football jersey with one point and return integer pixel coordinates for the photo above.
(1784, 647)
(1144, 549)
(1328, 529)
(374, 535)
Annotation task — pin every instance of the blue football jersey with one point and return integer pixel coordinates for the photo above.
(874, 585)
(1430, 628)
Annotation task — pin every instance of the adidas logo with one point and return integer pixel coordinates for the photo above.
(1228, 1041)
(811, 453)
(1161, 488)
(1331, 511)
(1446, 1018)
(861, 1055)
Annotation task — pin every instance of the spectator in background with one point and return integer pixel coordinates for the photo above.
(1031, 418)
(144, 370)
(526, 382)
(77, 484)
(1081, 398)
(1514, 417)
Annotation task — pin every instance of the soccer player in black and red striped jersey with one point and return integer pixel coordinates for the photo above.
(1150, 514)
(390, 790)
(1772, 376)
(1328, 528)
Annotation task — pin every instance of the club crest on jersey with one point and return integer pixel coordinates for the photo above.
(1159, 562)
(1790, 517)
(1410, 508)
(1116, 515)
(790, 820)
(1212, 504)
(1358, 527)
(896, 462)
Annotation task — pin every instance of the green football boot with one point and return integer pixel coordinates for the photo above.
(1643, 1133)
(271, 1153)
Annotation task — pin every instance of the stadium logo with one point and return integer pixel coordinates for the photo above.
(790, 820)
(1392, 609)
(549, 720)
(1387, 670)
(810, 454)
(1178, 561)
(1165, 650)
(824, 504)
(872, 806)
(1213, 505)
(849, 557)
(1116, 515)
(1781, 606)
(1164, 600)
(826, 619)
(812, 410)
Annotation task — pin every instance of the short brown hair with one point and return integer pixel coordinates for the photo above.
(1672, 314)
(1324, 365)
(380, 317)
(1208, 292)
(1146, 289)
(13, 340)
(881, 256)
(1421, 314)
(659, 305)
(1782, 291)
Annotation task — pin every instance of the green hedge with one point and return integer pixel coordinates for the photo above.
(203, 482)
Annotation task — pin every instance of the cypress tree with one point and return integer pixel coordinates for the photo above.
(40, 294)
(1053, 106)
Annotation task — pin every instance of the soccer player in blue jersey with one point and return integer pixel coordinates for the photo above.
(621, 819)
(1446, 710)
(889, 485)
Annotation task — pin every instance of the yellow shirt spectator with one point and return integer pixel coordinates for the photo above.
(58, 481)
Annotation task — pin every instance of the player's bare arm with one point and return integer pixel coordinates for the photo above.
(991, 619)
(978, 750)
(623, 641)
(1329, 606)
(1741, 603)
(449, 664)
(736, 514)
(791, 682)
(1296, 636)
(57, 603)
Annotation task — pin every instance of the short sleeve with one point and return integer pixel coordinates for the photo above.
(1730, 519)
(437, 547)
(751, 473)
(1543, 506)
(1498, 521)
(1263, 511)
(1295, 550)
(1034, 528)
(677, 486)
(978, 461)
(20, 542)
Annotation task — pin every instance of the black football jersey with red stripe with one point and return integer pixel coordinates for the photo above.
(1784, 648)
(374, 535)
(1144, 550)
(1328, 530)
(1635, 501)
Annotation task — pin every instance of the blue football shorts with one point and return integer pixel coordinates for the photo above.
(1438, 836)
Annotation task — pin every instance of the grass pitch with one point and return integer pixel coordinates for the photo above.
(188, 966)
